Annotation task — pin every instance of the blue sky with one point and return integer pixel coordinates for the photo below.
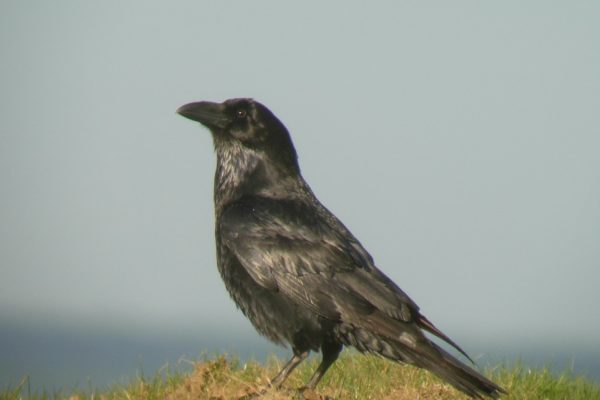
(459, 142)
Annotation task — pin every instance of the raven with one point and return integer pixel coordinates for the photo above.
(295, 270)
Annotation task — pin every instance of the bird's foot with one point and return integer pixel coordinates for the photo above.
(306, 393)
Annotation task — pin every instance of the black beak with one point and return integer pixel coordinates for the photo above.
(209, 114)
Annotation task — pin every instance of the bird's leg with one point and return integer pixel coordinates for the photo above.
(296, 359)
(331, 351)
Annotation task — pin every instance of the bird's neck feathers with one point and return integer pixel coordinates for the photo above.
(242, 171)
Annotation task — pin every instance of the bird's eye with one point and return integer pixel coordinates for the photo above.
(241, 113)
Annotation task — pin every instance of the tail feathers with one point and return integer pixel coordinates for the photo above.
(464, 378)
(424, 323)
(411, 346)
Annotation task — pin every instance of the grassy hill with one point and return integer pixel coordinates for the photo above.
(354, 376)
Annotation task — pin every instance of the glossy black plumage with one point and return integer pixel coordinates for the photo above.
(294, 269)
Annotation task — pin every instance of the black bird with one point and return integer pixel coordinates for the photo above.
(295, 270)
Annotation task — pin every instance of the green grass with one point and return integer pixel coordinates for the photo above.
(353, 377)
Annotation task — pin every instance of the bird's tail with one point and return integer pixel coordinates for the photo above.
(416, 349)
(461, 376)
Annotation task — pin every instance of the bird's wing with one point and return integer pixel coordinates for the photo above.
(293, 247)
(305, 252)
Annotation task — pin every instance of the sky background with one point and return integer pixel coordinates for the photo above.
(459, 142)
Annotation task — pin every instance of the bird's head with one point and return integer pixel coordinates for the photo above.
(246, 123)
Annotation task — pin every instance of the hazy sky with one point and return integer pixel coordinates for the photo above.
(459, 141)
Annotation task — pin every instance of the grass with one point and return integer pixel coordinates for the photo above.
(354, 376)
